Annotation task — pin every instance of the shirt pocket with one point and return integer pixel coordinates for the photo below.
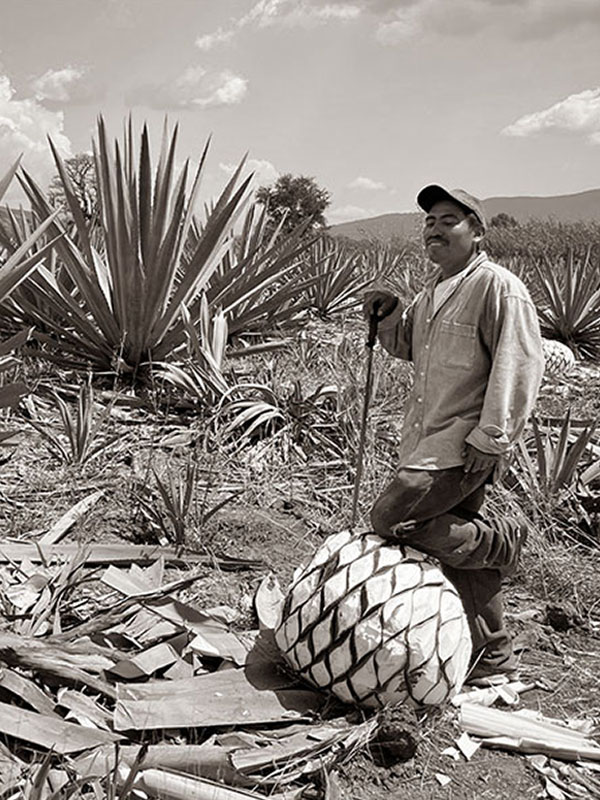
(457, 344)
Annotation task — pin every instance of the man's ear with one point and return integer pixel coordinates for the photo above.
(476, 227)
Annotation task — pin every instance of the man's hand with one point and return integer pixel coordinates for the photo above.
(478, 461)
(379, 304)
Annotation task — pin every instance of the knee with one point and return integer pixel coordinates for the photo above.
(389, 527)
(380, 521)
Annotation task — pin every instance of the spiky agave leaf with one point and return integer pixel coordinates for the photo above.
(570, 310)
(552, 464)
(131, 291)
(259, 284)
(339, 278)
(80, 428)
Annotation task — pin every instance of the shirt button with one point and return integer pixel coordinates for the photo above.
(419, 399)
(426, 347)
(416, 424)
(422, 374)
(428, 319)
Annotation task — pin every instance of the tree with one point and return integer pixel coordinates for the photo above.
(82, 173)
(503, 220)
(294, 200)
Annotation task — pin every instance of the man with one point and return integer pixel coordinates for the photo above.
(473, 336)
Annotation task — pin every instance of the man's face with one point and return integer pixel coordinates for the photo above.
(450, 235)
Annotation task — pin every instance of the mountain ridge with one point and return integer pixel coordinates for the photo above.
(579, 207)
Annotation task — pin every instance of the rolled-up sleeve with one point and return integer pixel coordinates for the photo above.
(512, 335)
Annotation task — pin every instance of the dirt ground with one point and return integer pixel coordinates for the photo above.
(549, 603)
(558, 649)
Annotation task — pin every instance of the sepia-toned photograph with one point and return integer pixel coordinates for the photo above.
(299, 399)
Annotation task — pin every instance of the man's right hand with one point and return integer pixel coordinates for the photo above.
(379, 304)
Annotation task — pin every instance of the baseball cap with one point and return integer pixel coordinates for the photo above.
(430, 195)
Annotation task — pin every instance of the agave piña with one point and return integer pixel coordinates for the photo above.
(559, 358)
(375, 624)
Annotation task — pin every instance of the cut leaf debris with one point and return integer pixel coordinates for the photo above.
(220, 698)
(467, 746)
(526, 734)
(73, 515)
(269, 601)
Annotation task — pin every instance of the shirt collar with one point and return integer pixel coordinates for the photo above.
(476, 260)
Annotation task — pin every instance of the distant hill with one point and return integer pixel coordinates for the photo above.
(581, 207)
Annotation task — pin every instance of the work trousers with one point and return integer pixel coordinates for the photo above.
(437, 512)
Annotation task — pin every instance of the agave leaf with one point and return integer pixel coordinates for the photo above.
(52, 441)
(68, 423)
(193, 339)
(16, 341)
(17, 268)
(72, 202)
(212, 511)
(570, 306)
(567, 473)
(145, 199)
(203, 261)
(8, 176)
(127, 787)
(255, 349)
(542, 463)
(591, 474)
(259, 419)
(526, 473)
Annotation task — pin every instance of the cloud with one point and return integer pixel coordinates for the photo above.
(284, 13)
(210, 40)
(265, 13)
(578, 113)
(347, 214)
(520, 19)
(366, 183)
(24, 126)
(66, 85)
(264, 172)
(195, 88)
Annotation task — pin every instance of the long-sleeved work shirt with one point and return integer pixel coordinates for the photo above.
(478, 365)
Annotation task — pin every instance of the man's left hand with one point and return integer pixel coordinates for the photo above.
(478, 461)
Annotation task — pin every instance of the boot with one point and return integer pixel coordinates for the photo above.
(481, 595)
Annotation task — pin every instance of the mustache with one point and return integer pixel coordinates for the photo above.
(436, 238)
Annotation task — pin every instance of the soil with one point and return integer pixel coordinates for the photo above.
(550, 605)
(558, 650)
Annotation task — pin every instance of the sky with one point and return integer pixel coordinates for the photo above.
(372, 98)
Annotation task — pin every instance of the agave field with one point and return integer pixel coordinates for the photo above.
(181, 394)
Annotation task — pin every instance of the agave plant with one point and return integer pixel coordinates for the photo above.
(304, 420)
(81, 438)
(16, 227)
(181, 509)
(16, 266)
(339, 277)
(569, 302)
(124, 307)
(259, 284)
(549, 473)
(18, 262)
(201, 376)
